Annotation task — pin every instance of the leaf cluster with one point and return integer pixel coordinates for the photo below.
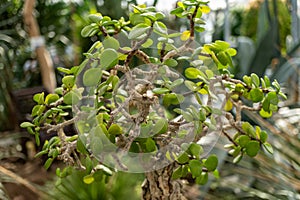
(103, 124)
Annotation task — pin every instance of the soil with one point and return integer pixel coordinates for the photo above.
(21, 174)
(24, 175)
(32, 172)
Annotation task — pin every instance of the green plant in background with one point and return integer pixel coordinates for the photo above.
(256, 20)
(144, 116)
(119, 186)
(260, 32)
(273, 28)
(266, 176)
(10, 39)
(271, 177)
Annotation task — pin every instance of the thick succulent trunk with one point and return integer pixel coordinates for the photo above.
(158, 185)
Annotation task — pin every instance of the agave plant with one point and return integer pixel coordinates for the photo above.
(119, 186)
(3, 193)
(266, 177)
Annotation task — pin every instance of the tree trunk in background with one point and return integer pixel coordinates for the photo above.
(43, 56)
(158, 185)
(295, 26)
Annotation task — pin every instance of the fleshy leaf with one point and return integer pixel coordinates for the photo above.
(92, 77)
(108, 58)
(50, 98)
(211, 163)
(256, 95)
(252, 148)
(88, 179)
(195, 167)
(138, 30)
(185, 35)
(111, 42)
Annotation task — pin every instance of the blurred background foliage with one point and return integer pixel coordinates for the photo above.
(121, 186)
(266, 34)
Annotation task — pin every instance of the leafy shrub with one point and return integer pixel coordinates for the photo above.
(134, 111)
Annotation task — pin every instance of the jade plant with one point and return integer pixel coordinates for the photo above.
(152, 100)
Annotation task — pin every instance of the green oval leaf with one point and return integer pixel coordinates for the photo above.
(81, 144)
(146, 128)
(172, 99)
(228, 106)
(243, 140)
(138, 31)
(192, 73)
(183, 158)
(39, 98)
(48, 163)
(266, 104)
(211, 163)
(247, 80)
(150, 145)
(115, 129)
(177, 173)
(187, 116)
(159, 16)
(196, 150)
(202, 180)
(248, 128)
(221, 45)
(268, 147)
(160, 90)
(37, 110)
(238, 158)
(68, 81)
(64, 70)
(72, 97)
(191, 85)
(92, 77)
(89, 30)
(176, 83)
(231, 51)
(59, 91)
(263, 136)
(171, 62)
(97, 139)
(255, 80)
(88, 179)
(96, 18)
(108, 58)
(160, 28)
(26, 124)
(265, 114)
(148, 43)
(30, 131)
(195, 168)
(223, 58)
(177, 11)
(110, 42)
(256, 95)
(51, 98)
(160, 127)
(236, 151)
(252, 148)
(135, 18)
(273, 98)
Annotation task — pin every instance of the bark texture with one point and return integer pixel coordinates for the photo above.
(158, 185)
